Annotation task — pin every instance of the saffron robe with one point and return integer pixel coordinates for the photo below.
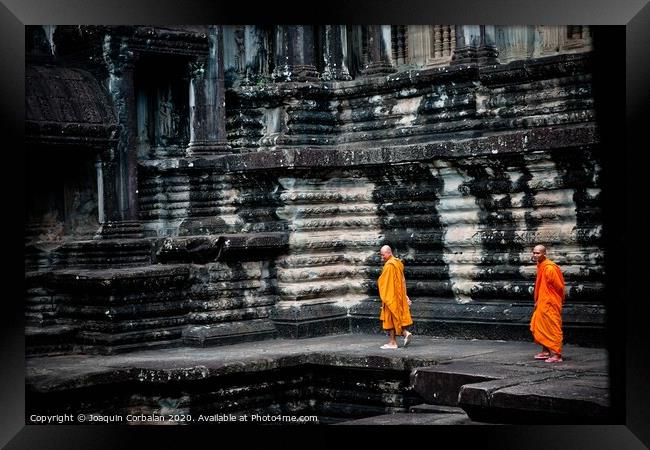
(395, 313)
(546, 322)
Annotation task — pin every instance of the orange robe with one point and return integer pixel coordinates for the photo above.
(546, 322)
(395, 313)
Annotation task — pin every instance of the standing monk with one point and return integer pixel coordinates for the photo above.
(546, 322)
(395, 313)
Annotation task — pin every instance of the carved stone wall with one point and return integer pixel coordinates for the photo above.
(528, 41)
(460, 162)
(378, 163)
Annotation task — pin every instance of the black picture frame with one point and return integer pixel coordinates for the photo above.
(623, 133)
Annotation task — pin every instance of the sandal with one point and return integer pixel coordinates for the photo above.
(554, 359)
(385, 346)
(542, 355)
(407, 339)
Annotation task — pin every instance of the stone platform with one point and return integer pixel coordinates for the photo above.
(348, 377)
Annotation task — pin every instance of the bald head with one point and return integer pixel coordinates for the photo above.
(539, 253)
(386, 252)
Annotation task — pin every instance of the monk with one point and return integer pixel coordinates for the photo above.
(395, 313)
(546, 322)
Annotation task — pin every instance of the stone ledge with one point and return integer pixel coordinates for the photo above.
(414, 419)
(503, 143)
(440, 385)
(548, 397)
(336, 359)
(222, 247)
(229, 333)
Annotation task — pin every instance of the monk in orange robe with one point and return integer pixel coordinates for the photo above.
(546, 322)
(395, 312)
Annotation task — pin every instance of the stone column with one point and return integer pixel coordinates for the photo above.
(142, 139)
(378, 51)
(207, 99)
(335, 49)
(107, 203)
(246, 54)
(487, 51)
(121, 196)
(294, 53)
(468, 38)
(233, 52)
(256, 44)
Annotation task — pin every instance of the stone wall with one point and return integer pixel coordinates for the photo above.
(460, 163)
(462, 170)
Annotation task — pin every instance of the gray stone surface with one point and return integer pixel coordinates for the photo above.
(560, 395)
(274, 179)
(441, 384)
(414, 419)
(353, 379)
(253, 205)
(436, 409)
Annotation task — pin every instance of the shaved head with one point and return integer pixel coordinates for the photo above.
(386, 252)
(539, 253)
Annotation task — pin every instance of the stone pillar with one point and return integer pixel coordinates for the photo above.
(378, 51)
(207, 99)
(142, 139)
(468, 39)
(294, 53)
(335, 49)
(234, 54)
(107, 204)
(399, 45)
(256, 46)
(246, 54)
(121, 172)
(438, 41)
(487, 51)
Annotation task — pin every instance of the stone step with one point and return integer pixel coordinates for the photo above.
(414, 419)
(105, 252)
(342, 378)
(441, 384)
(142, 337)
(120, 230)
(435, 409)
(555, 397)
(117, 348)
(48, 339)
(493, 388)
(229, 333)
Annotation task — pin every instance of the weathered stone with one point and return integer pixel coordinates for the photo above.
(460, 167)
(413, 419)
(228, 333)
(337, 378)
(441, 385)
(574, 398)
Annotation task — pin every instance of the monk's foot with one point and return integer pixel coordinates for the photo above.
(407, 339)
(543, 355)
(554, 359)
(385, 346)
